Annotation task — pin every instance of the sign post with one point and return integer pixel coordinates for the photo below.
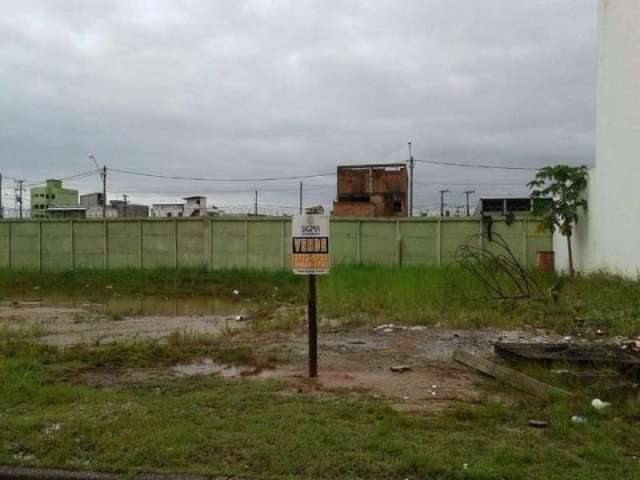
(310, 256)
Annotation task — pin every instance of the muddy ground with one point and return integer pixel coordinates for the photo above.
(357, 360)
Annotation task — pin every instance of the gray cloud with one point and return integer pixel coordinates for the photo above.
(262, 88)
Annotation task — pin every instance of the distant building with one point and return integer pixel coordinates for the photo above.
(51, 195)
(167, 210)
(506, 206)
(97, 212)
(196, 206)
(66, 212)
(92, 199)
(129, 210)
(316, 210)
(372, 191)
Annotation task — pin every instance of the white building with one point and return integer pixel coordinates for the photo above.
(196, 206)
(606, 238)
(167, 210)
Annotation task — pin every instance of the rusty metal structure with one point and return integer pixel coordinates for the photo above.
(377, 190)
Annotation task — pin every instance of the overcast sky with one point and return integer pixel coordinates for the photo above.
(229, 89)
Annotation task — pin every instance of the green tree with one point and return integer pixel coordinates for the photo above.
(557, 193)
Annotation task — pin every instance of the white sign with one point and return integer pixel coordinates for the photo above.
(310, 244)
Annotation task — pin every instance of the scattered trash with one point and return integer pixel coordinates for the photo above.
(388, 330)
(401, 368)
(567, 339)
(599, 404)
(599, 332)
(465, 466)
(236, 292)
(538, 423)
(418, 328)
(239, 318)
(36, 288)
(433, 394)
(405, 398)
(108, 287)
(578, 419)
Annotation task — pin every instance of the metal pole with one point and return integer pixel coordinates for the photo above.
(125, 205)
(255, 206)
(411, 165)
(104, 191)
(313, 328)
(20, 189)
(442, 192)
(300, 198)
(467, 193)
(1, 209)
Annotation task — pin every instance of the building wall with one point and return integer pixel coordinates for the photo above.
(606, 237)
(167, 210)
(51, 195)
(381, 188)
(244, 242)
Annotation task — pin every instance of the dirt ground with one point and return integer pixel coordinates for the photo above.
(355, 360)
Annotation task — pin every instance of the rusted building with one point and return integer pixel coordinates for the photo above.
(378, 190)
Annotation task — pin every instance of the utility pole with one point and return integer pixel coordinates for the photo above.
(125, 205)
(104, 191)
(467, 193)
(300, 198)
(1, 209)
(411, 165)
(255, 206)
(20, 190)
(442, 193)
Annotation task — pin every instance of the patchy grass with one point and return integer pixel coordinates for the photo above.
(209, 426)
(361, 294)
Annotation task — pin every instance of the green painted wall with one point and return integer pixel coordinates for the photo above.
(261, 243)
(51, 195)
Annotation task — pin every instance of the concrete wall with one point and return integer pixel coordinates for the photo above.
(245, 242)
(607, 237)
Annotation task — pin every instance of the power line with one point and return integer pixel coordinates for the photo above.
(203, 179)
(474, 165)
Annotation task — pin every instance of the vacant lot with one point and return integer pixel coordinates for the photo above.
(205, 373)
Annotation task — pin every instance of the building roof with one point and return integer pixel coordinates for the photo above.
(66, 208)
(193, 197)
(372, 165)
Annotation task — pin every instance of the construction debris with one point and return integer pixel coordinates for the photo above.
(580, 353)
(599, 404)
(538, 423)
(511, 377)
(401, 368)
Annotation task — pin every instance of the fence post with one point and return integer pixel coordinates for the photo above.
(283, 245)
(399, 242)
(106, 245)
(40, 246)
(358, 242)
(175, 244)
(439, 241)
(211, 246)
(73, 247)
(525, 247)
(481, 237)
(140, 245)
(246, 243)
(10, 245)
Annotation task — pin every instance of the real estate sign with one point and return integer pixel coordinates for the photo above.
(310, 244)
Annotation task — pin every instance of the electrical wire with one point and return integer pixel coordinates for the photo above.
(203, 179)
(474, 165)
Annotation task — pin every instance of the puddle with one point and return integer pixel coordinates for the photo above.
(207, 366)
(135, 305)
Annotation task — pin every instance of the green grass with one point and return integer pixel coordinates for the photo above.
(252, 428)
(363, 294)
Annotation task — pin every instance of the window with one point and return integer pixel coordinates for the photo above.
(169, 214)
(397, 206)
